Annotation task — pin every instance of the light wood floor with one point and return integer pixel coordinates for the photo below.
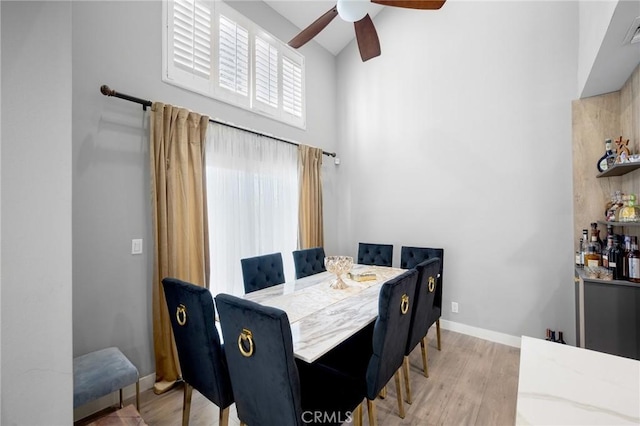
(471, 382)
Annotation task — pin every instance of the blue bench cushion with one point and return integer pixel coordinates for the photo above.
(100, 373)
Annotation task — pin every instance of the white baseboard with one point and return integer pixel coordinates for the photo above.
(492, 336)
(113, 399)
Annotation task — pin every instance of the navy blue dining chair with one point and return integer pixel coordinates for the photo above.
(263, 271)
(269, 385)
(200, 353)
(409, 258)
(420, 315)
(375, 254)
(309, 261)
(376, 354)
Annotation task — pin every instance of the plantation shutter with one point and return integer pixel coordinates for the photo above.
(233, 63)
(266, 84)
(192, 37)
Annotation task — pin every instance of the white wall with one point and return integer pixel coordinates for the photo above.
(594, 20)
(36, 369)
(459, 136)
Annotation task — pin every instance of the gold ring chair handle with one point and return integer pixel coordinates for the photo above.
(404, 304)
(432, 284)
(246, 335)
(181, 314)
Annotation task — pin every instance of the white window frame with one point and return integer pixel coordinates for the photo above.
(177, 76)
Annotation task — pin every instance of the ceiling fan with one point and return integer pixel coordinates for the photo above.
(356, 11)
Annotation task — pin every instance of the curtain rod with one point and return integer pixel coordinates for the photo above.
(107, 91)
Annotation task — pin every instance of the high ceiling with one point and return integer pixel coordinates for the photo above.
(303, 12)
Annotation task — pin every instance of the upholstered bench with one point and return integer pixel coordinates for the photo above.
(100, 373)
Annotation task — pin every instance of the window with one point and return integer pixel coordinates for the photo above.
(211, 49)
(252, 198)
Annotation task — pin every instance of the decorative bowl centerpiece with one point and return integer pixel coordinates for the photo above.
(338, 265)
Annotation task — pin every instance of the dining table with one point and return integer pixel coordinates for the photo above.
(322, 317)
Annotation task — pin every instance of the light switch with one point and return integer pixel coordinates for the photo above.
(136, 246)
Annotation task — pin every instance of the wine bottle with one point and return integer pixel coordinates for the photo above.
(625, 257)
(634, 261)
(604, 163)
(616, 259)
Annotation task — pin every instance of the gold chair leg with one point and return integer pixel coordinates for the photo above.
(223, 418)
(121, 398)
(357, 415)
(186, 404)
(438, 333)
(383, 392)
(371, 409)
(407, 380)
(399, 392)
(424, 347)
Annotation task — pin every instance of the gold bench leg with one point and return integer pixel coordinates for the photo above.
(424, 347)
(399, 392)
(186, 404)
(438, 333)
(138, 394)
(407, 379)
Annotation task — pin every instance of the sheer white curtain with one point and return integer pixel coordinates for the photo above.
(252, 197)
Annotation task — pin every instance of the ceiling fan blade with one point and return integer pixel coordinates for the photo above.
(312, 30)
(412, 4)
(367, 38)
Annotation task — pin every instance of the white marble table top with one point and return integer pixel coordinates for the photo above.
(564, 385)
(322, 317)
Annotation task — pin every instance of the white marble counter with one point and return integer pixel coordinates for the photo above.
(322, 317)
(564, 385)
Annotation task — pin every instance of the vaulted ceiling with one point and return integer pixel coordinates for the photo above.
(303, 12)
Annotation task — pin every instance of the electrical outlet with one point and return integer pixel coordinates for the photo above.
(454, 307)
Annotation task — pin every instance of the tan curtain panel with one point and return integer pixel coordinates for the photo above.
(311, 231)
(179, 220)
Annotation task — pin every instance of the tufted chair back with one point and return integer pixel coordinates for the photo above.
(263, 371)
(411, 256)
(309, 261)
(200, 352)
(375, 254)
(423, 301)
(262, 271)
(390, 331)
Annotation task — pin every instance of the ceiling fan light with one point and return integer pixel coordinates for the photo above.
(353, 10)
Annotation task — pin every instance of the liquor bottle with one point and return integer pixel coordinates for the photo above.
(553, 336)
(592, 257)
(616, 259)
(583, 246)
(606, 251)
(604, 162)
(634, 261)
(561, 338)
